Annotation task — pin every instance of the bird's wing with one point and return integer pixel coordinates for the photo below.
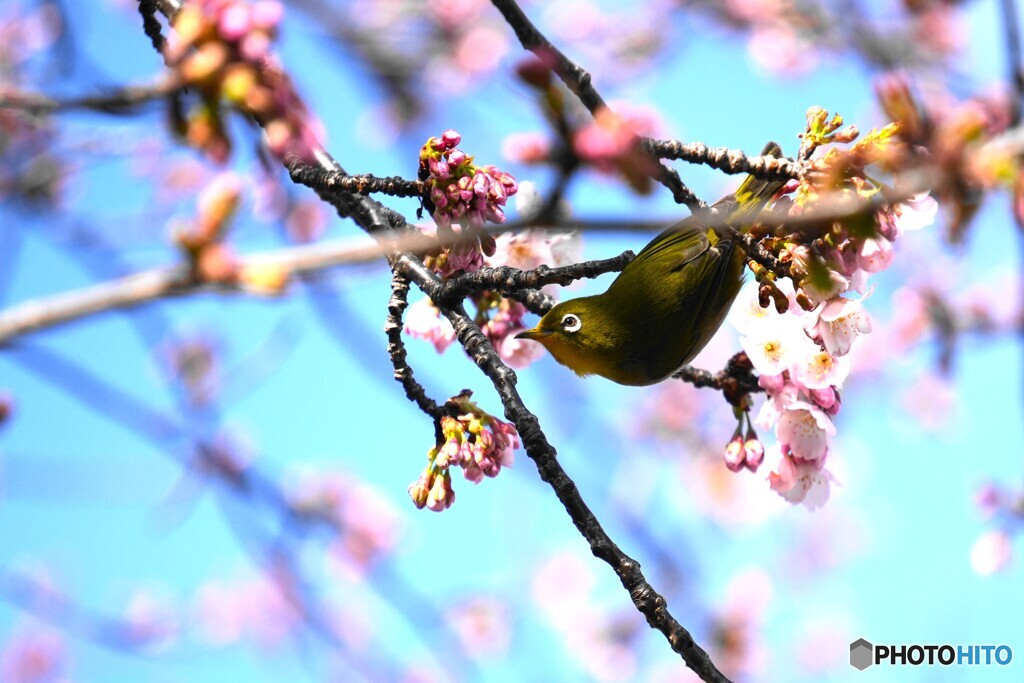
(686, 240)
(676, 247)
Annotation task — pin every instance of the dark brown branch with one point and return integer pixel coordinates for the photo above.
(396, 348)
(120, 101)
(320, 179)
(647, 600)
(505, 279)
(735, 381)
(575, 78)
(381, 222)
(723, 159)
(578, 81)
(377, 220)
(535, 300)
(150, 24)
(669, 177)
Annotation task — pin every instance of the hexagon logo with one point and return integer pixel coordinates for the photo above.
(861, 654)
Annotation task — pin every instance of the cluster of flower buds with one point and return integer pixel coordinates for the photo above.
(213, 260)
(459, 193)
(222, 49)
(474, 440)
(501, 319)
(744, 450)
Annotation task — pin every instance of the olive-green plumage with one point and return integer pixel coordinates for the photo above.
(664, 306)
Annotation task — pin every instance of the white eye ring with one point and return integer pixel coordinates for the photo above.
(571, 322)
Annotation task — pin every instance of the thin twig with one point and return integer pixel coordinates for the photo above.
(120, 101)
(577, 79)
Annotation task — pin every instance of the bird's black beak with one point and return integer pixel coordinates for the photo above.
(535, 334)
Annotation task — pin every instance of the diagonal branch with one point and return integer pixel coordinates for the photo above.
(578, 80)
(381, 222)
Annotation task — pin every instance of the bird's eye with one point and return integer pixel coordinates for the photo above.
(571, 322)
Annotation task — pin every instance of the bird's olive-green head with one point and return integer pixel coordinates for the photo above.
(582, 334)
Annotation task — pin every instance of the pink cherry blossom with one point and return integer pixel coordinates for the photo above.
(822, 370)
(807, 430)
(840, 322)
(799, 482)
(781, 393)
(776, 342)
(526, 148)
(915, 213)
(484, 627)
(875, 254)
(529, 249)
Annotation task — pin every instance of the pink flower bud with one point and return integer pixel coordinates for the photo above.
(456, 157)
(441, 494)
(825, 398)
(438, 169)
(450, 138)
(846, 135)
(754, 450)
(734, 454)
(420, 489)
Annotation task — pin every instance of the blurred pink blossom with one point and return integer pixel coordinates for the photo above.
(33, 655)
(526, 148)
(424, 321)
(991, 552)
(484, 627)
(152, 618)
(916, 213)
